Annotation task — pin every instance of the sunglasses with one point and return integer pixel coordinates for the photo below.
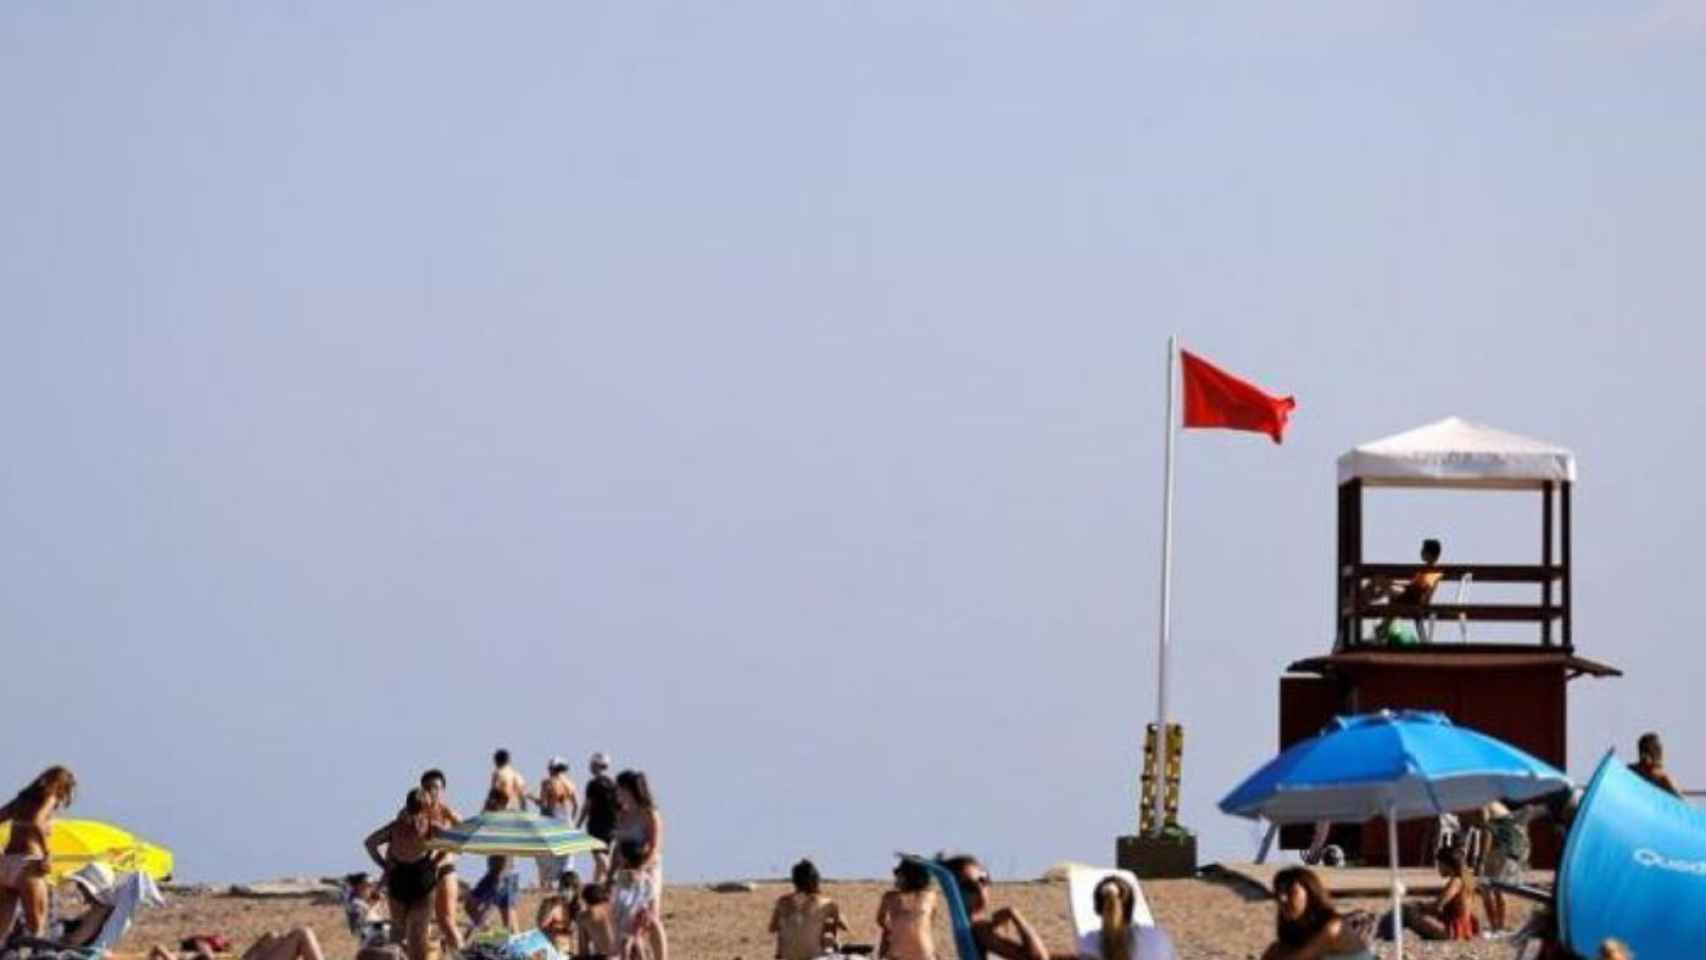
(981, 880)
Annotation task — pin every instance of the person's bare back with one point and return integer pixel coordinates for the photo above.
(802, 923)
(596, 926)
(906, 920)
(508, 781)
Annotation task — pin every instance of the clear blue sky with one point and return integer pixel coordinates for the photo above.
(769, 393)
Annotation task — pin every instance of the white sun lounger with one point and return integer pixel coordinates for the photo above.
(1081, 880)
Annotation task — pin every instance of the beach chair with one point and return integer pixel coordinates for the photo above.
(367, 933)
(132, 892)
(1081, 882)
(964, 941)
(1462, 618)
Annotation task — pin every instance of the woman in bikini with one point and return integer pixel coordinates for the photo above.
(905, 915)
(639, 853)
(411, 871)
(1450, 916)
(24, 865)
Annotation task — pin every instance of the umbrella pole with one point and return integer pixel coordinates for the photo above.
(1397, 885)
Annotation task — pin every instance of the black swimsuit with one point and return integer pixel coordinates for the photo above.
(410, 883)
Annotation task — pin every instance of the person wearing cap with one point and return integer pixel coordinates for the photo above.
(96, 883)
(557, 800)
(598, 814)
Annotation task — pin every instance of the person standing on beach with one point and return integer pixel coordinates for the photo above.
(411, 874)
(500, 886)
(639, 856)
(24, 865)
(598, 814)
(558, 801)
(1650, 766)
(448, 892)
(507, 779)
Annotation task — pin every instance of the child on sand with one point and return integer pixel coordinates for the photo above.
(806, 923)
(595, 927)
(905, 915)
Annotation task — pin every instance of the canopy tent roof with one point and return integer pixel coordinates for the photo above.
(1456, 453)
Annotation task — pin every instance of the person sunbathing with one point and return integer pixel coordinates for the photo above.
(552, 936)
(1307, 926)
(905, 915)
(1119, 938)
(1450, 915)
(1002, 932)
(297, 943)
(24, 865)
(806, 923)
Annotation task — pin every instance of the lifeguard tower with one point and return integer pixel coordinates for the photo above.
(1516, 691)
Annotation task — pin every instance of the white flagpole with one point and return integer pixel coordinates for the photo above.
(1161, 740)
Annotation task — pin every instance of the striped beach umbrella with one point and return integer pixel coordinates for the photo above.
(514, 833)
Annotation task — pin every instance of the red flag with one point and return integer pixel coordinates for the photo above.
(1215, 398)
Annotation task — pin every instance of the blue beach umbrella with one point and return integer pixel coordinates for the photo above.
(513, 833)
(1397, 765)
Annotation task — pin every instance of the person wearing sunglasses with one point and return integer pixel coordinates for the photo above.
(1002, 932)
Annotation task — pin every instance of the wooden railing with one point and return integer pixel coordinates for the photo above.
(1354, 608)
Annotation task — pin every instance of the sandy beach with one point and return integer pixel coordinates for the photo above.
(1209, 920)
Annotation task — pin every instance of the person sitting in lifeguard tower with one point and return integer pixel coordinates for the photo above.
(1417, 591)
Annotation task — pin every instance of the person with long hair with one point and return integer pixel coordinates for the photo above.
(1307, 926)
(1450, 916)
(638, 863)
(411, 872)
(1115, 900)
(905, 915)
(24, 865)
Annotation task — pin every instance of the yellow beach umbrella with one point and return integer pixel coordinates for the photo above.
(77, 843)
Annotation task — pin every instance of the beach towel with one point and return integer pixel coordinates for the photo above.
(132, 892)
(523, 946)
(964, 940)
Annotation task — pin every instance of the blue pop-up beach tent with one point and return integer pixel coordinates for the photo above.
(1634, 868)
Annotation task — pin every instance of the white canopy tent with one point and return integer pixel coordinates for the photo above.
(1457, 453)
